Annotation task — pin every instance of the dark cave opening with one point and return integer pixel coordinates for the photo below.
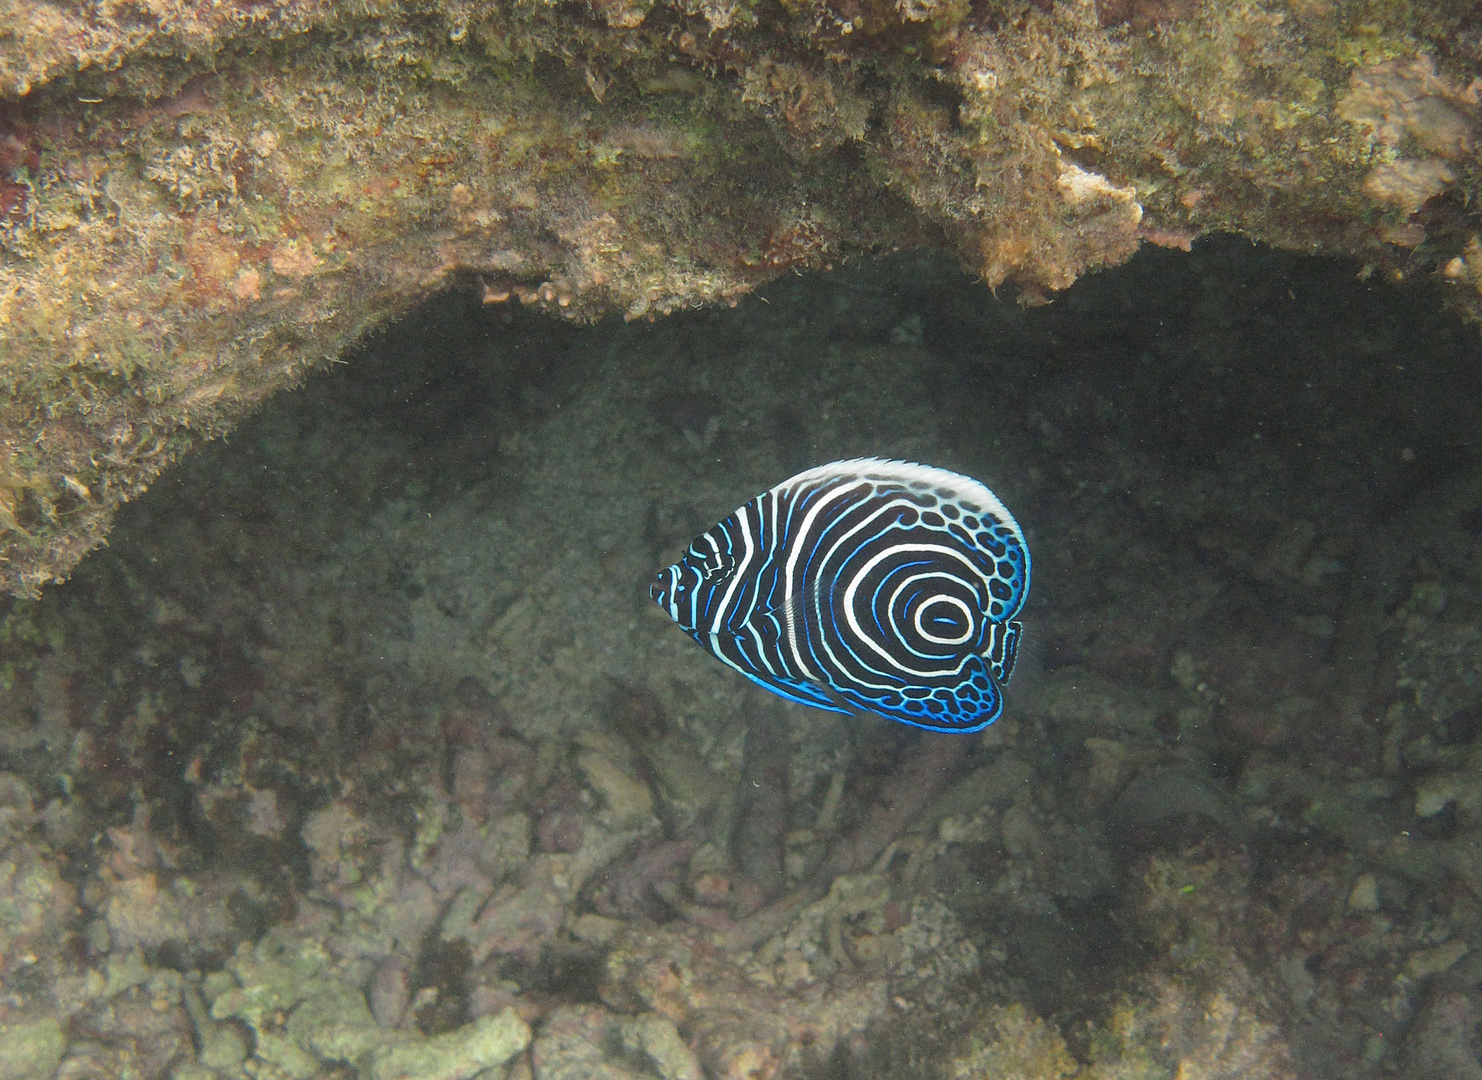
(1244, 474)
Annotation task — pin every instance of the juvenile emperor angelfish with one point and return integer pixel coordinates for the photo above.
(863, 586)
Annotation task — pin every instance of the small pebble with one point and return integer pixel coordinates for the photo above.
(1365, 894)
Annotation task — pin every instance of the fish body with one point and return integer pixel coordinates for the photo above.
(865, 585)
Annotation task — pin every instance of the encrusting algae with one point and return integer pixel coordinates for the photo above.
(200, 203)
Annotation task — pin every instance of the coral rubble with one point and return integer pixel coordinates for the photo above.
(360, 750)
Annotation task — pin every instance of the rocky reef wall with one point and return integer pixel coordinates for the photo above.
(199, 202)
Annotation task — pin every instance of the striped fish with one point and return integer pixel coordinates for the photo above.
(867, 585)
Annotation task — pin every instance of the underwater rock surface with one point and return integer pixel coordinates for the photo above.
(362, 750)
(201, 203)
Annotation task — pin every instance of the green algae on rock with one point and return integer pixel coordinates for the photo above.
(198, 204)
(30, 1050)
(327, 1019)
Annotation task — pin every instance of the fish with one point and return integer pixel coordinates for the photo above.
(866, 586)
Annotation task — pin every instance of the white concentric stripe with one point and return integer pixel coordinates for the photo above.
(997, 644)
(871, 525)
(709, 538)
(953, 601)
(759, 556)
(846, 475)
(937, 574)
(853, 587)
(778, 512)
(738, 572)
(800, 545)
(886, 470)
(693, 600)
(740, 628)
(706, 540)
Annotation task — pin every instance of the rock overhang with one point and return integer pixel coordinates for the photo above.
(202, 204)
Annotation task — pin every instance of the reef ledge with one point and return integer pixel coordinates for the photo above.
(201, 202)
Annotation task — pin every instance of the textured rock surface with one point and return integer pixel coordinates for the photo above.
(199, 202)
(362, 738)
